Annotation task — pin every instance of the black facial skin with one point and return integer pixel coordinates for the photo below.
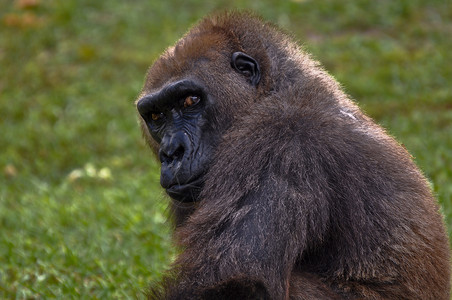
(175, 117)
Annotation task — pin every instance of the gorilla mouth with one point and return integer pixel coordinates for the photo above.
(186, 192)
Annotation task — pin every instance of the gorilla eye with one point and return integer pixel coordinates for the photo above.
(156, 116)
(191, 100)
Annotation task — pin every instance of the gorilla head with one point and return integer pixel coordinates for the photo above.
(188, 107)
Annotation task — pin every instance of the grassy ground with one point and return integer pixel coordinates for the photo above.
(81, 212)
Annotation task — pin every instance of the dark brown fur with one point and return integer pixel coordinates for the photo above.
(306, 197)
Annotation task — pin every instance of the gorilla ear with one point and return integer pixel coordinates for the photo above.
(247, 66)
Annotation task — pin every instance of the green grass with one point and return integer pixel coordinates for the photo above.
(81, 211)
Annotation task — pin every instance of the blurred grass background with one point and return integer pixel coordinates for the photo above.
(81, 211)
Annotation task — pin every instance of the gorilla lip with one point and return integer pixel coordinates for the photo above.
(184, 191)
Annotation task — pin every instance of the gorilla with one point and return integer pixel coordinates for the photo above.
(280, 186)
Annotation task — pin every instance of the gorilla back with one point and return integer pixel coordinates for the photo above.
(281, 187)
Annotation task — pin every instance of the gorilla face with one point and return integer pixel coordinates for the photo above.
(176, 117)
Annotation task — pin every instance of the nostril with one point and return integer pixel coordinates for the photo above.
(164, 159)
(170, 155)
(179, 153)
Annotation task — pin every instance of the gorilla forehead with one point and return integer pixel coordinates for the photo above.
(188, 59)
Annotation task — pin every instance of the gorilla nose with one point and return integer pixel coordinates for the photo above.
(172, 148)
(171, 154)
